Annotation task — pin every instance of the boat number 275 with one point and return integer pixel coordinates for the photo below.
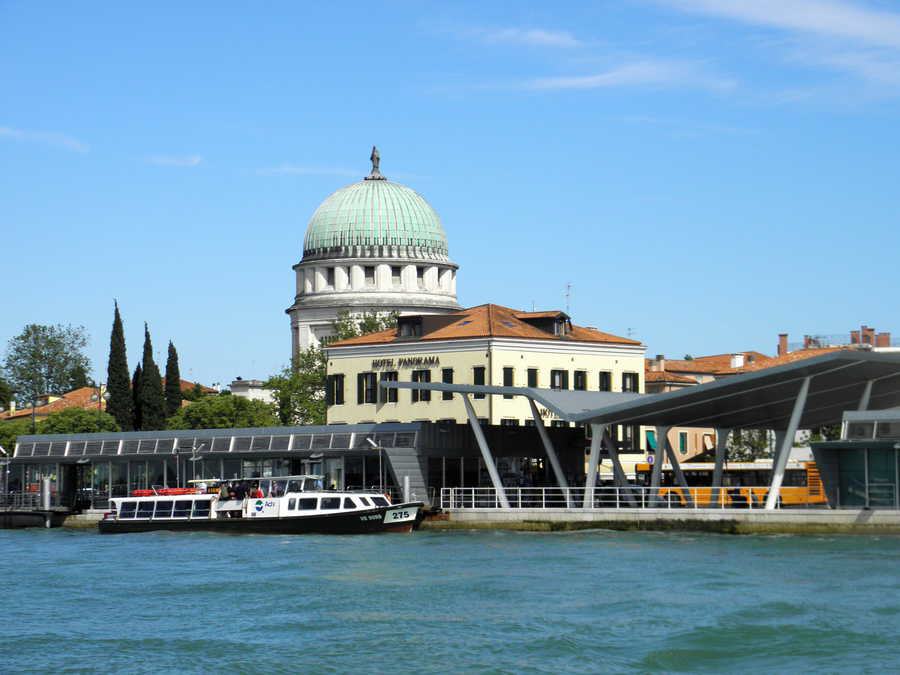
(399, 515)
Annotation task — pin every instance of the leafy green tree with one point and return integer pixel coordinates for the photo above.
(349, 325)
(747, 445)
(118, 383)
(173, 382)
(46, 360)
(223, 412)
(136, 382)
(153, 401)
(78, 421)
(10, 430)
(195, 393)
(299, 389)
(6, 394)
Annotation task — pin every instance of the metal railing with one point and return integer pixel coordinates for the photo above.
(22, 500)
(630, 497)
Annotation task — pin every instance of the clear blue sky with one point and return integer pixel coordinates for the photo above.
(705, 173)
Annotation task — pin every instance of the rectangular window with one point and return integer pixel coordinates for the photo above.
(532, 377)
(559, 379)
(348, 503)
(163, 510)
(558, 423)
(447, 378)
(682, 442)
(329, 277)
(605, 381)
(145, 508)
(389, 395)
(507, 422)
(307, 504)
(396, 278)
(369, 273)
(478, 378)
(580, 380)
(420, 277)
(334, 390)
(329, 503)
(292, 504)
(530, 422)
(201, 509)
(629, 382)
(507, 380)
(182, 509)
(365, 388)
(127, 510)
(423, 395)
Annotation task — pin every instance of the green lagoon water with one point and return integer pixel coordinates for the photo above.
(448, 602)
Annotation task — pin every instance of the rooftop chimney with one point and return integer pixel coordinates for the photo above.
(868, 335)
(659, 363)
(737, 360)
(854, 337)
(883, 340)
(782, 344)
(807, 342)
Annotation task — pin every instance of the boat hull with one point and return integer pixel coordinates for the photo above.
(369, 521)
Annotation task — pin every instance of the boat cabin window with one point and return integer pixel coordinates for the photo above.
(163, 509)
(295, 486)
(348, 503)
(331, 503)
(182, 508)
(292, 504)
(127, 510)
(277, 489)
(201, 508)
(380, 501)
(145, 509)
(308, 504)
(365, 501)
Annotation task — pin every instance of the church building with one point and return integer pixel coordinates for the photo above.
(373, 246)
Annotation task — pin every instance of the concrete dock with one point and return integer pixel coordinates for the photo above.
(726, 521)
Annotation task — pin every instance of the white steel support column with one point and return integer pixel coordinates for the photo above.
(621, 480)
(659, 457)
(548, 448)
(719, 469)
(590, 481)
(676, 468)
(867, 395)
(485, 452)
(780, 462)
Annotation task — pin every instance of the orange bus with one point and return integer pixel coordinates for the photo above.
(743, 483)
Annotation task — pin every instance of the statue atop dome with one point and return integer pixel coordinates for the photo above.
(375, 158)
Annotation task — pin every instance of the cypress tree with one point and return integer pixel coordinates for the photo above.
(173, 382)
(153, 402)
(136, 396)
(118, 384)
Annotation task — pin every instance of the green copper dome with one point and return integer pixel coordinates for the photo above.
(375, 213)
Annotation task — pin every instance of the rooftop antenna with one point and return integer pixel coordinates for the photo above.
(568, 295)
(630, 331)
(532, 305)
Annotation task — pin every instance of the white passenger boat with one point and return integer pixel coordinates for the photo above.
(283, 505)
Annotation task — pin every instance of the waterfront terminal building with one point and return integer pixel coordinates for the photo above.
(373, 246)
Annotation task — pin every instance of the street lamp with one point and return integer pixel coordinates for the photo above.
(101, 398)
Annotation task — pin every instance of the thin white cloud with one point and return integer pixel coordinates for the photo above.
(637, 74)
(529, 37)
(176, 160)
(300, 170)
(51, 138)
(831, 18)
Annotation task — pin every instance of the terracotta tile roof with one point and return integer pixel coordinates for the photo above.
(77, 398)
(487, 321)
(715, 364)
(551, 314)
(790, 357)
(660, 376)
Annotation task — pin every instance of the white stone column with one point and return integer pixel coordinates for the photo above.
(409, 278)
(341, 278)
(444, 279)
(308, 279)
(321, 279)
(383, 277)
(431, 278)
(357, 277)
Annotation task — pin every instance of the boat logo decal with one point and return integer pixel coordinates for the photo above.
(259, 504)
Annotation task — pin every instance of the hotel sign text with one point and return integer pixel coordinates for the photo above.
(406, 362)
